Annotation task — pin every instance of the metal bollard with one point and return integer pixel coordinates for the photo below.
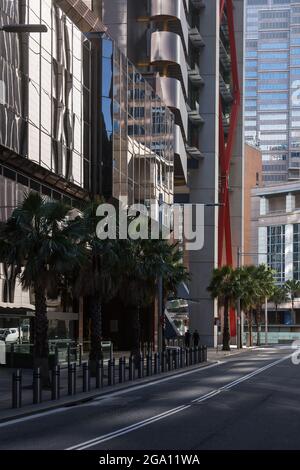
(131, 368)
(17, 389)
(86, 381)
(99, 374)
(149, 365)
(156, 363)
(141, 367)
(176, 355)
(205, 353)
(55, 392)
(181, 358)
(72, 379)
(164, 362)
(190, 357)
(187, 358)
(122, 369)
(202, 353)
(110, 372)
(195, 355)
(37, 387)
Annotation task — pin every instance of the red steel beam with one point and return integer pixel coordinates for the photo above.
(226, 150)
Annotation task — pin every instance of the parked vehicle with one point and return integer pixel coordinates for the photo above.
(9, 335)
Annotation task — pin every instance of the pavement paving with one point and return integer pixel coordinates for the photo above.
(244, 401)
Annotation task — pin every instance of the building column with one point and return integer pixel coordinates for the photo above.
(288, 252)
(290, 203)
(263, 205)
(262, 245)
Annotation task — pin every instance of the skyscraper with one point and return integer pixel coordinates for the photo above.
(272, 86)
(194, 48)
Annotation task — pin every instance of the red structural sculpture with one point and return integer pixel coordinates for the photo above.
(226, 150)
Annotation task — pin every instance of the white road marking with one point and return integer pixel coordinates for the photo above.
(133, 427)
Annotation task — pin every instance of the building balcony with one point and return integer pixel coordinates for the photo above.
(195, 37)
(224, 57)
(180, 160)
(167, 49)
(194, 114)
(194, 152)
(162, 10)
(198, 4)
(174, 99)
(194, 75)
(225, 90)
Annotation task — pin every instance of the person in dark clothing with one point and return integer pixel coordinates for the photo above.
(187, 339)
(196, 338)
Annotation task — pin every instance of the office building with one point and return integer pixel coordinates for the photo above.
(196, 48)
(77, 119)
(272, 105)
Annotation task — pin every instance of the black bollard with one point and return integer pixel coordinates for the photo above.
(121, 370)
(149, 365)
(37, 386)
(156, 363)
(17, 389)
(55, 391)
(86, 385)
(99, 374)
(164, 362)
(131, 368)
(187, 358)
(205, 353)
(71, 379)
(141, 367)
(181, 358)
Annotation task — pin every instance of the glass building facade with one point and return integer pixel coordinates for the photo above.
(137, 131)
(272, 86)
(45, 87)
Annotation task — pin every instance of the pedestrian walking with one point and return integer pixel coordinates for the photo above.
(196, 338)
(187, 339)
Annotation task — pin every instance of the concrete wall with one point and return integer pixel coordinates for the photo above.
(253, 167)
(203, 182)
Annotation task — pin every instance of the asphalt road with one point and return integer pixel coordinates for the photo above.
(250, 401)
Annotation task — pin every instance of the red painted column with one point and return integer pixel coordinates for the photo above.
(225, 153)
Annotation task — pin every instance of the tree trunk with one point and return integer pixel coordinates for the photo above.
(226, 332)
(136, 335)
(96, 332)
(293, 316)
(41, 347)
(258, 321)
(250, 328)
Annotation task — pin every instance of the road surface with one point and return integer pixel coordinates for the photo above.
(249, 401)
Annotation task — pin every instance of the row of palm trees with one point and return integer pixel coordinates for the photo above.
(251, 286)
(56, 252)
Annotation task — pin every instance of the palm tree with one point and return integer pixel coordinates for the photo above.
(35, 239)
(99, 277)
(248, 295)
(265, 284)
(293, 289)
(279, 297)
(143, 262)
(226, 287)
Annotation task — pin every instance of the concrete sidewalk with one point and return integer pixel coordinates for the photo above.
(7, 413)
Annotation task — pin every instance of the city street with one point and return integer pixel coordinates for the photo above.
(247, 401)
